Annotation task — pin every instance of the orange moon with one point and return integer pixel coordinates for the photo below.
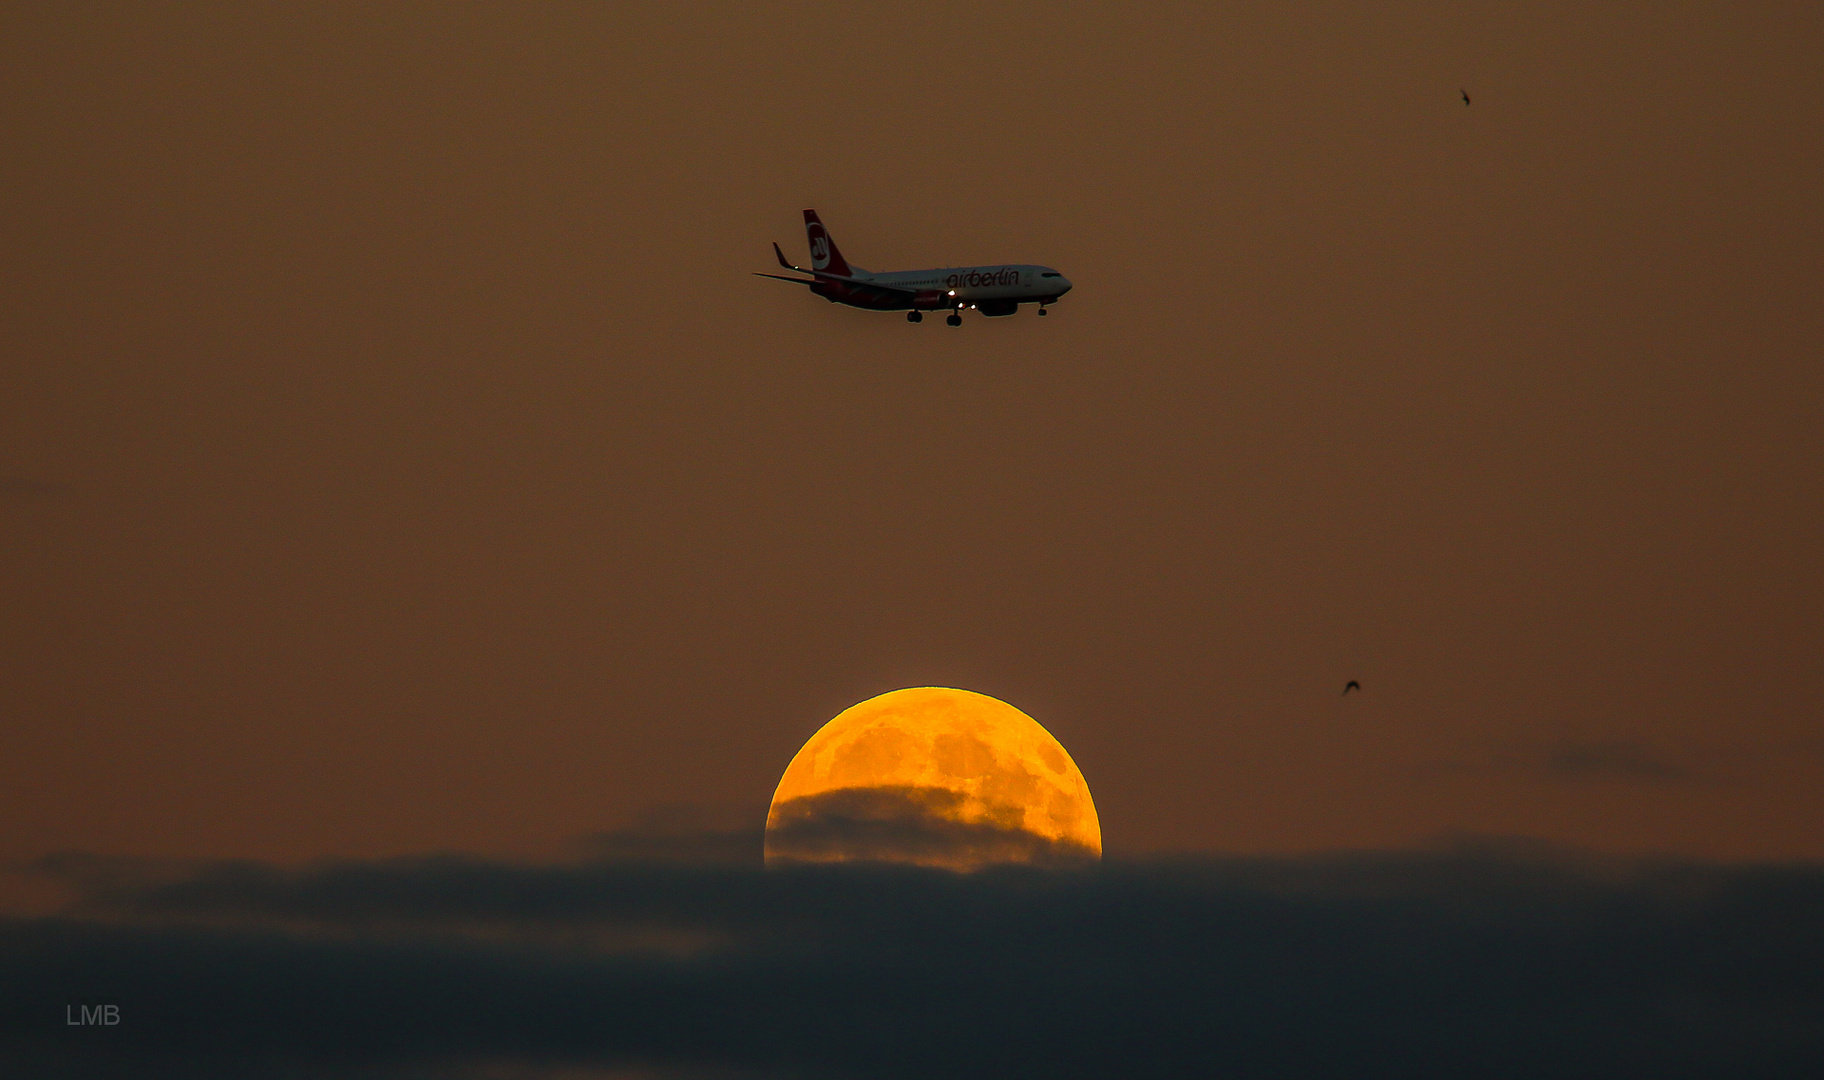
(935, 777)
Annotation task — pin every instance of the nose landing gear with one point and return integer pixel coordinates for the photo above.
(955, 320)
(915, 316)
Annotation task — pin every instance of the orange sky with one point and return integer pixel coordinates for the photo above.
(395, 453)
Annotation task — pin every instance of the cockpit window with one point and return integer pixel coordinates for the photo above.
(1051, 274)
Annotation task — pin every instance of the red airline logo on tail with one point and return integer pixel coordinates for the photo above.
(824, 255)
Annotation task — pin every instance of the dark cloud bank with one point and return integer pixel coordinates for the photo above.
(1470, 962)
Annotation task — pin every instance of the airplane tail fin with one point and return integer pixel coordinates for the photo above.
(824, 255)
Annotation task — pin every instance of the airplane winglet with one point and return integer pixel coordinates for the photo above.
(781, 256)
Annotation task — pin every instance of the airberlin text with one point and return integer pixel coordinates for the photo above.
(976, 278)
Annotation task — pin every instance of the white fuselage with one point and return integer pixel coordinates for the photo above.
(969, 284)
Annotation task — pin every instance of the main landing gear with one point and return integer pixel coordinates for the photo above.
(1041, 309)
(955, 320)
(915, 316)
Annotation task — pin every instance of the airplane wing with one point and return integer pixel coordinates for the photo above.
(826, 275)
(793, 280)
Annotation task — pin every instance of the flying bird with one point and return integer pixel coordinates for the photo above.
(1353, 685)
(1465, 94)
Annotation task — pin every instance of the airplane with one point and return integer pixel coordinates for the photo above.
(991, 290)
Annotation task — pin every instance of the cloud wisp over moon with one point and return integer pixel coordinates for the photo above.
(922, 825)
(1468, 962)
